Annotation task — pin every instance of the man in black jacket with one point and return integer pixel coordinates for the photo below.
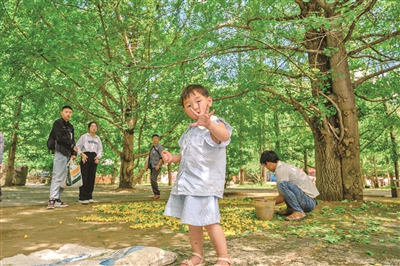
(64, 150)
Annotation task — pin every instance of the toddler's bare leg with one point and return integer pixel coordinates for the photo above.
(218, 239)
(196, 241)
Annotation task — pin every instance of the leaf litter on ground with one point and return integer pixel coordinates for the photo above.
(330, 221)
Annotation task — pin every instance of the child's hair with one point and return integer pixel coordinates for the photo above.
(93, 122)
(268, 156)
(190, 89)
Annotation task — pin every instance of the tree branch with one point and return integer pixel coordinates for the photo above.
(368, 45)
(370, 100)
(108, 141)
(292, 102)
(287, 57)
(375, 58)
(98, 5)
(325, 7)
(281, 73)
(341, 125)
(353, 25)
(367, 77)
(70, 101)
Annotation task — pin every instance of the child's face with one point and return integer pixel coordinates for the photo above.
(197, 102)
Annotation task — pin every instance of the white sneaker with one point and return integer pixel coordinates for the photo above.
(91, 201)
(59, 203)
(50, 205)
(84, 201)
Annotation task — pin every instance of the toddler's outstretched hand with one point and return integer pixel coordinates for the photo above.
(203, 118)
(166, 156)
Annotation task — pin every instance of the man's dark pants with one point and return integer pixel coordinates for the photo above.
(153, 178)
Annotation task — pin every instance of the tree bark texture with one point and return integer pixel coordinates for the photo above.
(336, 136)
(349, 145)
(394, 180)
(11, 160)
(395, 154)
(13, 146)
(126, 172)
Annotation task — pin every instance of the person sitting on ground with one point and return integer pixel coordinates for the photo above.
(294, 186)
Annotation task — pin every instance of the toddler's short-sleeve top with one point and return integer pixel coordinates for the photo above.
(203, 163)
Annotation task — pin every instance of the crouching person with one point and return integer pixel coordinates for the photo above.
(295, 187)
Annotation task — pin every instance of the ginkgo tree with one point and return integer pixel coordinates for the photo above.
(125, 63)
(93, 56)
(314, 56)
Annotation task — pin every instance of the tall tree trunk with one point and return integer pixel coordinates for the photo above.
(376, 179)
(13, 145)
(336, 137)
(327, 164)
(241, 175)
(114, 172)
(394, 180)
(277, 131)
(11, 159)
(305, 161)
(349, 138)
(126, 172)
(395, 155)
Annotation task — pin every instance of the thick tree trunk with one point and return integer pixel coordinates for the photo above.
(395, 154)
(349, 145)
(11, 160)
(327, 164)
(376, 180)
(394, 180)
(13, 146)
(336, 137)
(336, 140)
(126, 173)
(114, 173)
(305, 161)
(277, 131)
(241, 175)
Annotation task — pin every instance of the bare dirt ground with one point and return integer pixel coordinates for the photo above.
(26, 229)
